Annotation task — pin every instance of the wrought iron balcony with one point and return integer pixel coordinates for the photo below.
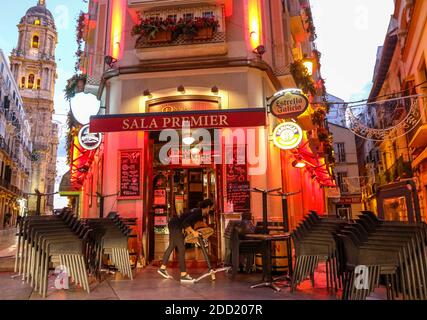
(180, 32)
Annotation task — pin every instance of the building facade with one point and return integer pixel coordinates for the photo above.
(15, 149)
(400, 76)
(34, 69)
(348, 203)
(220, 79)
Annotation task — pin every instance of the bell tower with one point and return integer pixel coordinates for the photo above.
(33, 65)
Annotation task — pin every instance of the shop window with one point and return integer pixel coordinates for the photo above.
(35, 42)
(31, 81)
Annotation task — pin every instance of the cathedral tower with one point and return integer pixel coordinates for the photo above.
(33, 65)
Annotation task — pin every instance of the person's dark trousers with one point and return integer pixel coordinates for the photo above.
(176, 240)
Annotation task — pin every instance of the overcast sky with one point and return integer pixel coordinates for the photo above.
(349, 33)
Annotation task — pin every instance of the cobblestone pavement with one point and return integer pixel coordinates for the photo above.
(7, 242)
(148, 285)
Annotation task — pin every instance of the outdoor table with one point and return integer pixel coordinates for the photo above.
(267, 239)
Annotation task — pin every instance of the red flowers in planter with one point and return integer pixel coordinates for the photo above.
(150, 27)
(160, 29)
(192, 27)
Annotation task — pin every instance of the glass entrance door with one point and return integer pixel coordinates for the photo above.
(176, 190)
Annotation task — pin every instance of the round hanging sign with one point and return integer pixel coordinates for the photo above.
(88, 140)
(289, 103)
(287, 135)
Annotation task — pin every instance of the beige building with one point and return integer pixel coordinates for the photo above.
(349, 202)
(34, 69)
(15, 149)
(247, 51)
(400, 71)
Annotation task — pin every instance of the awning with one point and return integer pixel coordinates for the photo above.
(208, 119)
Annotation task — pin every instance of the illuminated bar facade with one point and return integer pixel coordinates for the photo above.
(223, 80)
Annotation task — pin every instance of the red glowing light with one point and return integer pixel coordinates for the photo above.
(117, 24)
(254, 23)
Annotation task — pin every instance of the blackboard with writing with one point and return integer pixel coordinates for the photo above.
(239, 194)
(130, 174)
(236, 163)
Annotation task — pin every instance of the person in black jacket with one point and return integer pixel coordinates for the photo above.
(176, 237)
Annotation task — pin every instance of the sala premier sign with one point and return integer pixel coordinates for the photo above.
(289, 103)
(231, 118)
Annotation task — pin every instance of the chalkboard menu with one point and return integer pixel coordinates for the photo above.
(130, 174)
(237, 170)
(239, 194)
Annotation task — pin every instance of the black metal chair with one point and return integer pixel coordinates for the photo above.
(242, 246)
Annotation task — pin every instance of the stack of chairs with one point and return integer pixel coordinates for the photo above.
(76, 245)
(392, 250)
(314, 241)
(109, 236)
(43, 238)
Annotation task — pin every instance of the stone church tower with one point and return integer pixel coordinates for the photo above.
(34, 68)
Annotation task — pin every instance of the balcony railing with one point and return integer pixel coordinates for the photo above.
(401, 169)
(207, 42)
(8, 186)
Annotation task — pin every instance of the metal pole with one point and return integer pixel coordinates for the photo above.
(39, 198)
(264, 212)
(285, 213)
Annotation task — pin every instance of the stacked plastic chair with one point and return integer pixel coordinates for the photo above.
(109, 236)
(314, 241)
(393, 250)
(42, 238)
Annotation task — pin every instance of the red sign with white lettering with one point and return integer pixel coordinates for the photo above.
(208, 119)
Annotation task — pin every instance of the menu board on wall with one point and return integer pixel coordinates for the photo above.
(237, 170)
(130, 174)
(239, 193)
(238, 186)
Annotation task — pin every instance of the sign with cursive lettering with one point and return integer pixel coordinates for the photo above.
(289, 103)
(209, 119)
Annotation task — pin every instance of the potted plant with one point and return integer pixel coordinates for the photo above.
(155, 30)
(302, 78)
(318, 117)
(199, 28)
(75, 85)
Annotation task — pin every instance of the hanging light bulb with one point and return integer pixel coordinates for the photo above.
(195, 150)
(188, 139)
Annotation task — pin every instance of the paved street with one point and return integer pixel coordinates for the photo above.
(148, 285)
(7, 242)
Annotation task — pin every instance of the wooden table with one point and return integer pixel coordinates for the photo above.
(267, 239)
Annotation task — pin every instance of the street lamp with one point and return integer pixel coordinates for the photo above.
(300, 164)
(308, 63)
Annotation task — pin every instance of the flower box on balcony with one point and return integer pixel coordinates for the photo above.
(203, 34)
(160, 37)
